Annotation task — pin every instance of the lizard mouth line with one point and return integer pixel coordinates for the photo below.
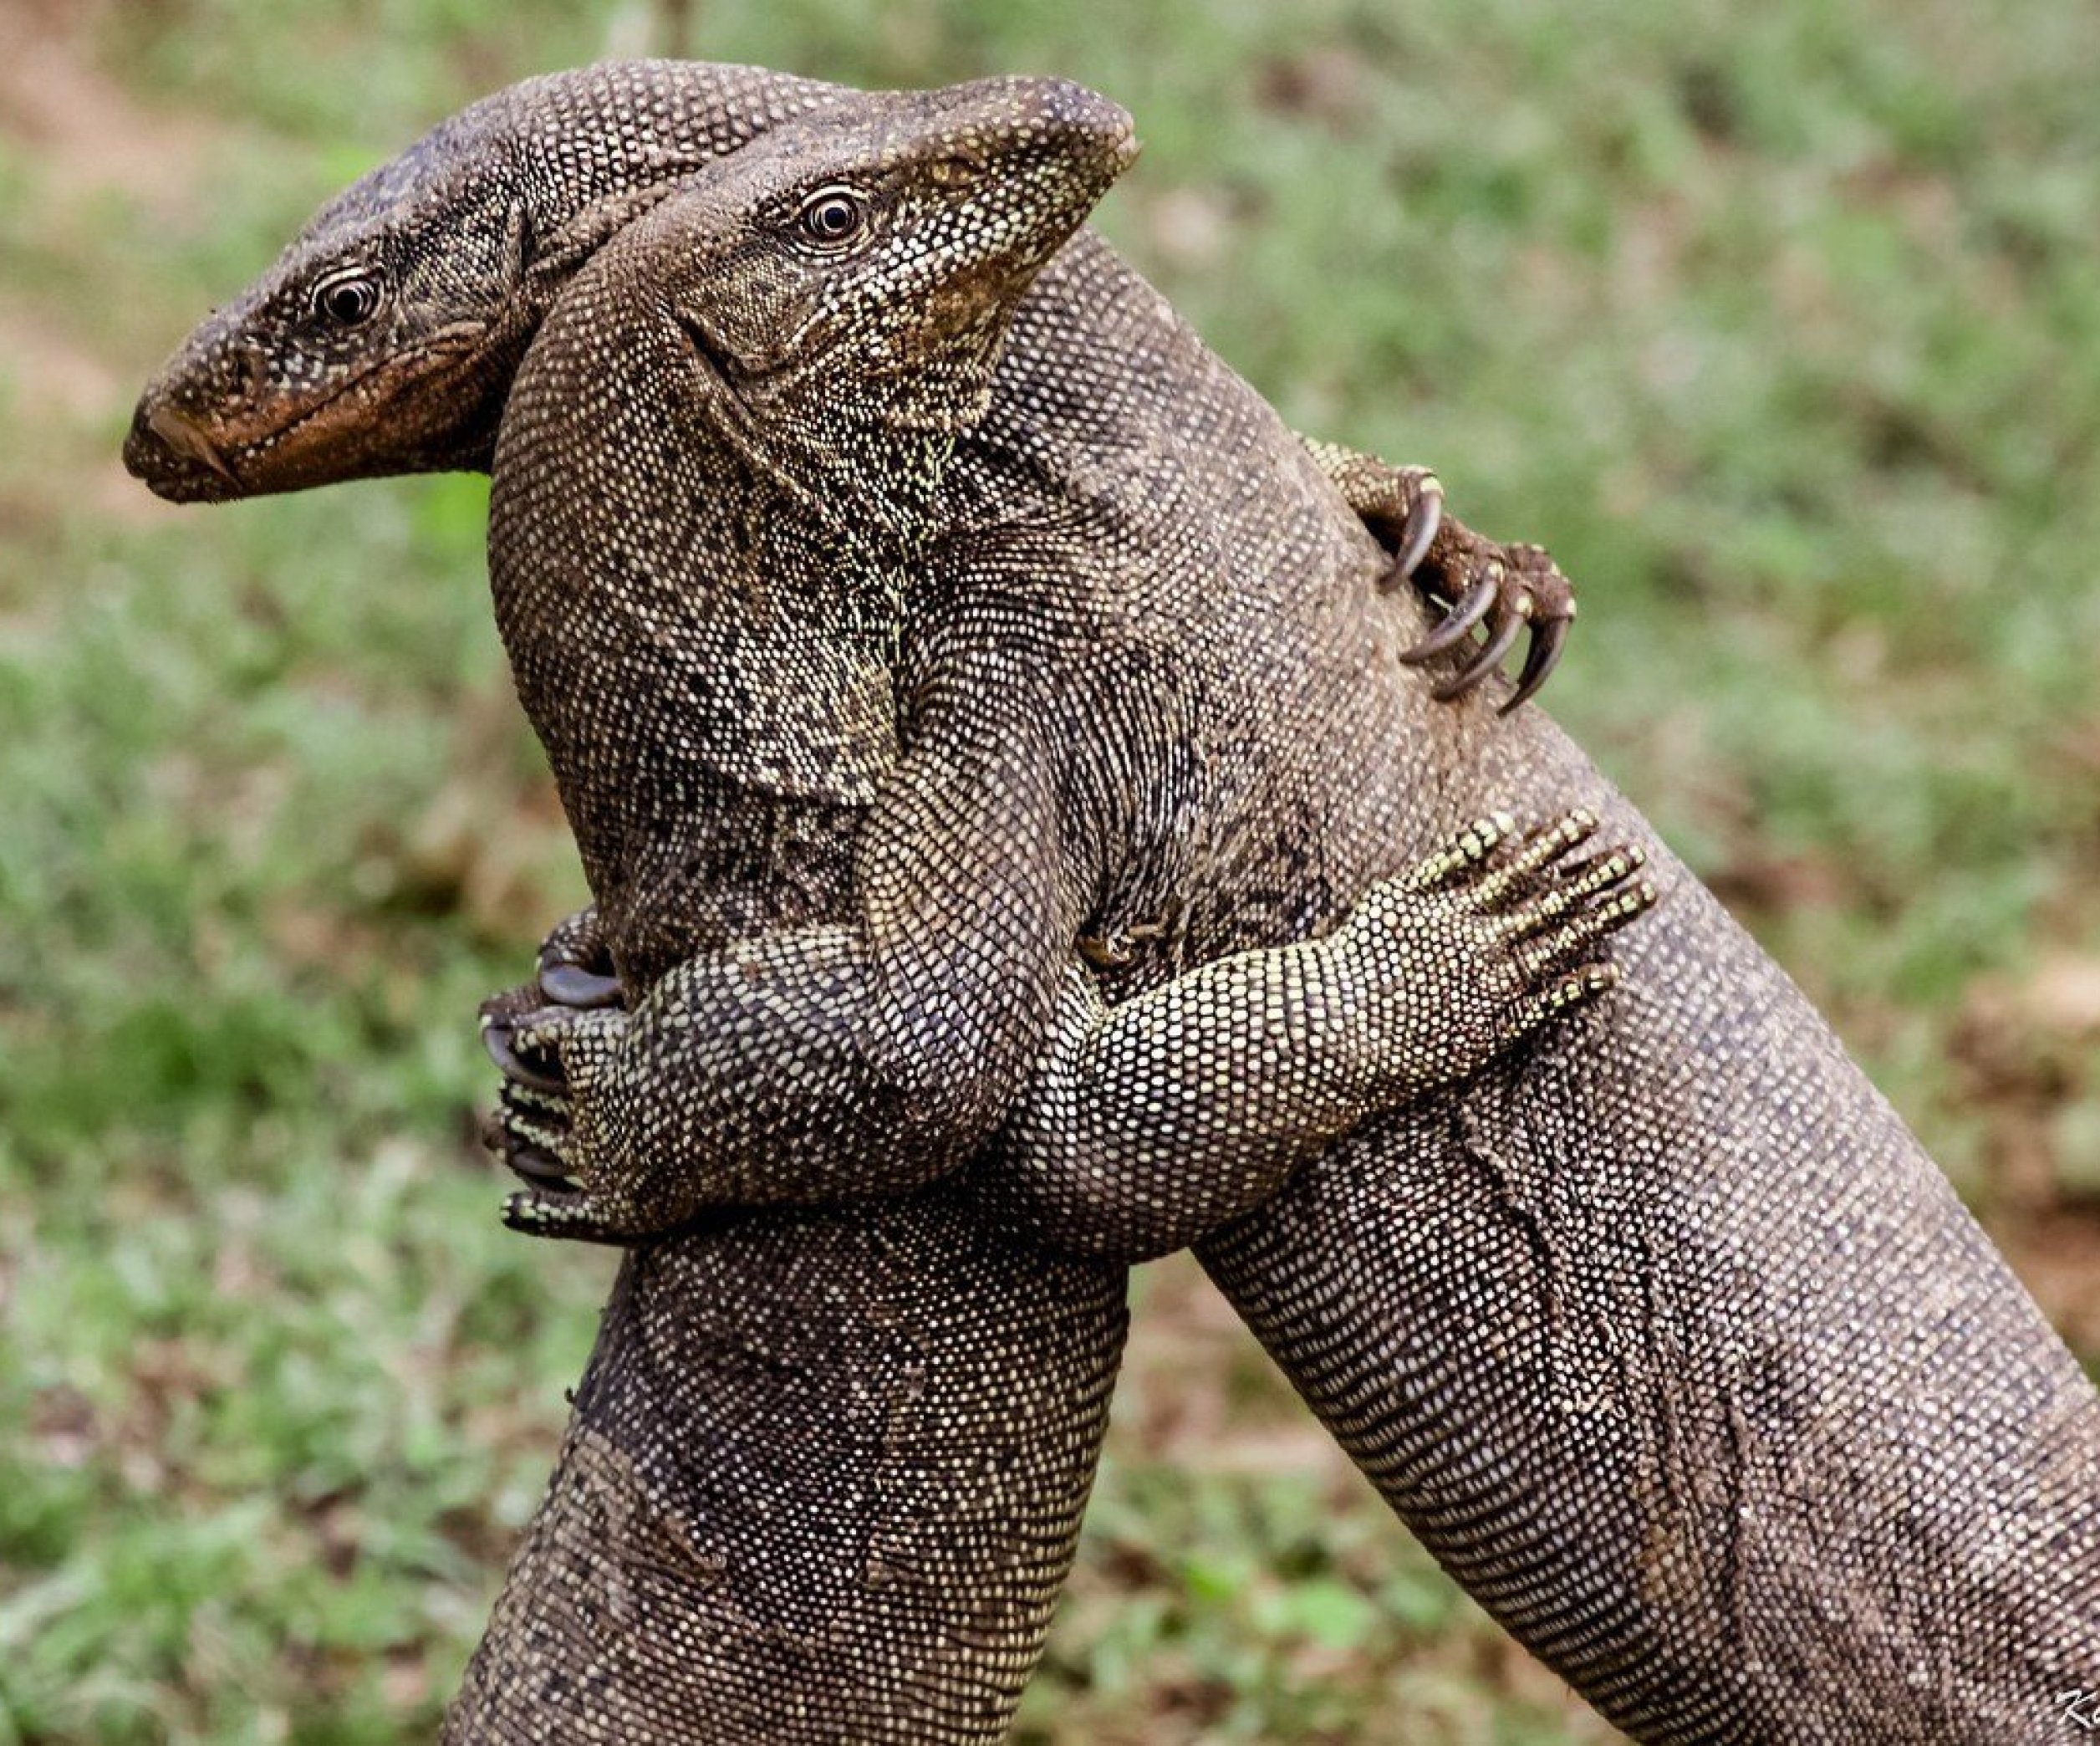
(437, 350)
(228, 461)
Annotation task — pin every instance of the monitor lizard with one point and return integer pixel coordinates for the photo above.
(930, 1278)
(1666, 1336)
(714, 529)
(714, 537)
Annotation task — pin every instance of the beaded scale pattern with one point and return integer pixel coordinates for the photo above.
(1660, 1330)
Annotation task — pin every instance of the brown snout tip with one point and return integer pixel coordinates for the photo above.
(182, 438)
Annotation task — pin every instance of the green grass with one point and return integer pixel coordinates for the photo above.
(1778, 324)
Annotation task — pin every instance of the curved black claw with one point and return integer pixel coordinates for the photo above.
(1504, 587)
(541, 1169)
(1548, 640)
(1455, 629)
(1418, 533)
(1508, 627)
(571, 985)
(496, 1038)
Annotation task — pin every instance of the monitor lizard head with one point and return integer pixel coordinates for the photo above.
(839, 291)
(377, 336)
(719, 455)
(385, 339)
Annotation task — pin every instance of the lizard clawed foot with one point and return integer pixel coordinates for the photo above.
(556, 1125)
(1547, 913)
(562, 1197)
(550, 1125)
(538, 1166)
(1470, 849)
(1420, 498)
(1503, 591)
(571, 985)
(529, 1128)
(559, 1210)
(530, 1132)
(499, 1038)
(1482, 943)
(1499, 590)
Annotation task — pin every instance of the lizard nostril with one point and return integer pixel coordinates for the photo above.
(158, 430)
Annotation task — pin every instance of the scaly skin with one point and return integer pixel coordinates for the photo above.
(715, 483)
(385, 338)
(1666, 1336)
(710, 426)
(1139, 1129)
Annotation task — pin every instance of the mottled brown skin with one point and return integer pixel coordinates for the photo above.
(1665, 1336)
(385, 338)
(706, 428)
(716, 487)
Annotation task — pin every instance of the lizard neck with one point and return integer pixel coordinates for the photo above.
(702, 618)
(850, 485)
(848, 439)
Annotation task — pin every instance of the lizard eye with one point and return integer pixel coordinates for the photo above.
(347, 298)
(832, 216)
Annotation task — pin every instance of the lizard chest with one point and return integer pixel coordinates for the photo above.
(1217, 844)
(719, 863)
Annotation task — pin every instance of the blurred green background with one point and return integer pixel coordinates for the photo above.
(1779, 325)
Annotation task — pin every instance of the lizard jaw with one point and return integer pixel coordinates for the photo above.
(172, 454)
(190, 445)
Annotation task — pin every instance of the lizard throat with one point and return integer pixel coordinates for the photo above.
(860, 495)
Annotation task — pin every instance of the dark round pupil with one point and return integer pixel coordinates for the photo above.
(832, 219)
(350, 301)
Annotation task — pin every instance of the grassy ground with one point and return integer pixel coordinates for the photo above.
(1779, 324)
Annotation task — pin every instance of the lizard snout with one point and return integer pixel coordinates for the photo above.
(171, 453)
(1082, 114)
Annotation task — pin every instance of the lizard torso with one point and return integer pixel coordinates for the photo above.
(1571, 1236)
(1668, 1338)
